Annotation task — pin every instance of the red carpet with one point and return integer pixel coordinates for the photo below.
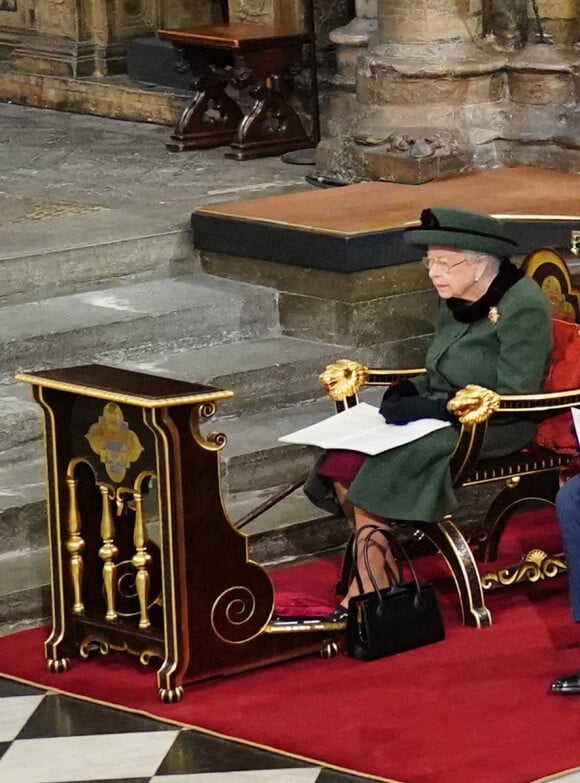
(471, 709)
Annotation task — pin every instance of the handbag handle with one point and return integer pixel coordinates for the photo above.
(395, 544)
(354, 556)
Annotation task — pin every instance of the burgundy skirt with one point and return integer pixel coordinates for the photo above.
(341, 465)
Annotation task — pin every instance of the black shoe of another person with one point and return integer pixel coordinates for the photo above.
(567, 685)
(338, 616)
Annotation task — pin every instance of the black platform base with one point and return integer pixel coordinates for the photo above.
(360, 227)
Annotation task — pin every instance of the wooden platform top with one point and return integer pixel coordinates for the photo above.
(511, 193)
(123, 386)
(234, 36)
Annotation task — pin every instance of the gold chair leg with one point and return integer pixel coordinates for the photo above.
(455, 549)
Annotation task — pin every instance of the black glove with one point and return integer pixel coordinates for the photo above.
(402, 410)
(401, 389)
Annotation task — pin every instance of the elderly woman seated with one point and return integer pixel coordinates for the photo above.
(493, 329)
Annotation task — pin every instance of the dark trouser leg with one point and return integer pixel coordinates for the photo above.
(568, 511)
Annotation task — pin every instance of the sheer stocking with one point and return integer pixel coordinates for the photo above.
(381, 560)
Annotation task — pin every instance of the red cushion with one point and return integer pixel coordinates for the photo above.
(290, 605)
(558, 432)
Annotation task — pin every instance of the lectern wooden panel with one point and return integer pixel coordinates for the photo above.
(192, 598)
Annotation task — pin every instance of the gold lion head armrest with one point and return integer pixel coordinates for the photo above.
(474, 404)
(344, 378)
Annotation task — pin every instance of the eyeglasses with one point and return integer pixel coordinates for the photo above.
(429, 263)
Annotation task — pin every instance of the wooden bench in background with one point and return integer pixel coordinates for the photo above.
(257, 58)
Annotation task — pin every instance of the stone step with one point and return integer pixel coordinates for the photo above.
(254, 457)
(24, 590)
(253, 460)
(269, 373)
(23, 504)
(132, 321)
(264, 374)
(20, 423)
(84, 247)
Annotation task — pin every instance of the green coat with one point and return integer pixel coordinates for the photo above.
(511, 356)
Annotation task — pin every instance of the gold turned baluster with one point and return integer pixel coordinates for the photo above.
(140, 560)
(75, 545)
(108, 552)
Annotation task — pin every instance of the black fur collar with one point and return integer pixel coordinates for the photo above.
(469, 312)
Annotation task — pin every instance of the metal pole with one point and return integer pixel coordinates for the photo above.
(267, 504)
(311, 31)
(307, 157)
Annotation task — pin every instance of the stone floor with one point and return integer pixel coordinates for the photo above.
(61, 163)
(49, 737)
(72, 180)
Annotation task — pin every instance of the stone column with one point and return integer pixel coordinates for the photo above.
(509, 22)
(557, 21)
(359, 30)
(427, 90)
(351, 39)
(429, 21)
(286, 13)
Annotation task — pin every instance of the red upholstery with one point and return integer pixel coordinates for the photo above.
(293, 605)
(558, 433)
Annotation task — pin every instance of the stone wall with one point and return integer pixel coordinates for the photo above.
(283, 12)
(87, 37)
(447, 85)
(558, 20)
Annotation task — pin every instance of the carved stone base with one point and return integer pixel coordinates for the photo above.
(356, 33)
(413, 156)
(68, 58)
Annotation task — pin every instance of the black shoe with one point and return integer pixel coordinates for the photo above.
(567, 685)
(338, 616)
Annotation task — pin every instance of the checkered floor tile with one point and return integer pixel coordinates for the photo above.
(47, 737)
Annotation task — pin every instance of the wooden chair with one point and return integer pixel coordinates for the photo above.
(532, 474)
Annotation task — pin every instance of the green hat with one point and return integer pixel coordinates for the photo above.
(461, 228)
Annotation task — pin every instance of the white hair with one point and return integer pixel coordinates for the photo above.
(493, 262)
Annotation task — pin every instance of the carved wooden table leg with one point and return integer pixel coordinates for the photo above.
(212, 117)
(450, 542)
(272, 126)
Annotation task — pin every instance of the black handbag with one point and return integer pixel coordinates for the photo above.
(394, 619)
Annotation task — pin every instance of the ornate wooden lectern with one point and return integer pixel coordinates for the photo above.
(192, 599)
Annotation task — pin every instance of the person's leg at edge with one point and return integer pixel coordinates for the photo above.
(568, 513)
(379, 553)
